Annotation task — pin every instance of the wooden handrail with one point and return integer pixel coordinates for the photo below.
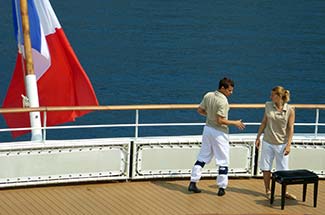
(145, 107)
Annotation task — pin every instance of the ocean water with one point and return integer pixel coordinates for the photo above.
(160, 52)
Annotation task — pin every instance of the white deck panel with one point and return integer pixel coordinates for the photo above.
(307, 152)
(63, 161)
(174, 157)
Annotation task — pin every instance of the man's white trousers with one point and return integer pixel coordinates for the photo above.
(214, 144)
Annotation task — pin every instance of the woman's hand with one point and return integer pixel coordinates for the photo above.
(287, 149)
(257, 143)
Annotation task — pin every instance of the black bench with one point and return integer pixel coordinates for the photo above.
(286, 177)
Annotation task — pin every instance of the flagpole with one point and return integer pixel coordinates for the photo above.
(30, 77)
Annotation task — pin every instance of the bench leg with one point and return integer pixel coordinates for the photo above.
(283, 195)
(272, 191)
(304, 193)
(315, 193)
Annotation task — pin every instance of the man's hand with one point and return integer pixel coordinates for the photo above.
(239, 124)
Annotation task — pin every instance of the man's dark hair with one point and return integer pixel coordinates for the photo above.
(226, 82)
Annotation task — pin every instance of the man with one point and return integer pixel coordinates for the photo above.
(215, 140)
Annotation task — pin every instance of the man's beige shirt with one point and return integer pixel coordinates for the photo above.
(215, 104)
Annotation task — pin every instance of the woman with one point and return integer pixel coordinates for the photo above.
(278, 127)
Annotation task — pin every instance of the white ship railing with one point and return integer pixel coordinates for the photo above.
(137, 108)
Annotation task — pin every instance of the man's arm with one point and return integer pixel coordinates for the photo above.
(201, 111)
(223, 121)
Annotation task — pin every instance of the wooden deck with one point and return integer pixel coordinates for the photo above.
(243, 196)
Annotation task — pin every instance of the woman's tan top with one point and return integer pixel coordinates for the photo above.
(275, 131)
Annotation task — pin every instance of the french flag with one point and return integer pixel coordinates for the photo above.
(61, 80)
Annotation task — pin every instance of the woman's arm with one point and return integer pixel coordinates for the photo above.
(290, 130)
(260, 131)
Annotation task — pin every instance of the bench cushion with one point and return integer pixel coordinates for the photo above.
(295, 176)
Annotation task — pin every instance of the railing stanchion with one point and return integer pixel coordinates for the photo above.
(136, 123)
(44, 126)
(316, 122)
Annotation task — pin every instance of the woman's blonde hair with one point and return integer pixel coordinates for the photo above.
(283, 93)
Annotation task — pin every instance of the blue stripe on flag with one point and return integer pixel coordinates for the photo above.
(34, 24)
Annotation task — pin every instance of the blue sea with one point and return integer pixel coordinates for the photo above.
(162, 51)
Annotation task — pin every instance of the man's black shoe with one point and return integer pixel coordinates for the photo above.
(193, 188)
(221, 192)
